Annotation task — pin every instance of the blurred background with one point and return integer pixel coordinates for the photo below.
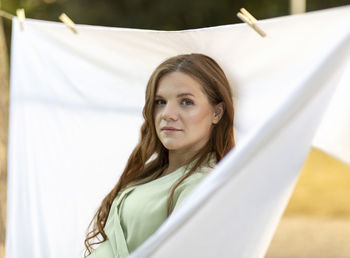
(316, 222)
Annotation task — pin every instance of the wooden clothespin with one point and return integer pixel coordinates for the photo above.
(66, 20)
(246, 17)
(21, 17)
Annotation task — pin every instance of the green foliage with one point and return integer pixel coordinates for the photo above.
(157, 14)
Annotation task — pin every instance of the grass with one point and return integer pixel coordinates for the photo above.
(316, 223)
(323, 188)
(311, 237)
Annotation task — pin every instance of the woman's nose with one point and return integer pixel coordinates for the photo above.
(170, 112)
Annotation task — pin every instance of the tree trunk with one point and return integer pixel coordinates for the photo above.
(4, 115)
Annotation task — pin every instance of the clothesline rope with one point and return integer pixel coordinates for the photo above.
(6, 15)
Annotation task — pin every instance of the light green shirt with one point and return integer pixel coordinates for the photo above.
(138, 211)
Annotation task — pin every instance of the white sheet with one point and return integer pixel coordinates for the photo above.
(75, 112)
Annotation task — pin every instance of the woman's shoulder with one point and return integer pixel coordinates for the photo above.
(189, 183)
(202, 170)
(208, 164)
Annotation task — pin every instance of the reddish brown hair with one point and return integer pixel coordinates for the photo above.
(140, 166)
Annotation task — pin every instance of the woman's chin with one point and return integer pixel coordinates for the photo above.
(172, 146)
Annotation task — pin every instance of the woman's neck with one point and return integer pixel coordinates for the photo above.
(178, 159)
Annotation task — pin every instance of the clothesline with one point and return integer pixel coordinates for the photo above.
(244, 15)
(6, 15)
(21, 16)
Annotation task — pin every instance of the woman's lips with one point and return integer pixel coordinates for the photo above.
(170, 129)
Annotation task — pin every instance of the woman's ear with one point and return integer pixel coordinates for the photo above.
(218, 112)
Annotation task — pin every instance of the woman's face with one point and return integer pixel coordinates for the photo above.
(183, 115)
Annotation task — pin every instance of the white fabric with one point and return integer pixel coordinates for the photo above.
(75, 113)
(333, 135)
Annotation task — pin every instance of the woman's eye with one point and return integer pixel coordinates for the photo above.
(187, 102)
(159, 102)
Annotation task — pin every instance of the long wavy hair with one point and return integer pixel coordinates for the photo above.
(149, 158)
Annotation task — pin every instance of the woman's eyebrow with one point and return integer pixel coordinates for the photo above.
(178, 96)
(185, 94)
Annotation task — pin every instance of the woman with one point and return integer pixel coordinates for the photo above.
(188, 128)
